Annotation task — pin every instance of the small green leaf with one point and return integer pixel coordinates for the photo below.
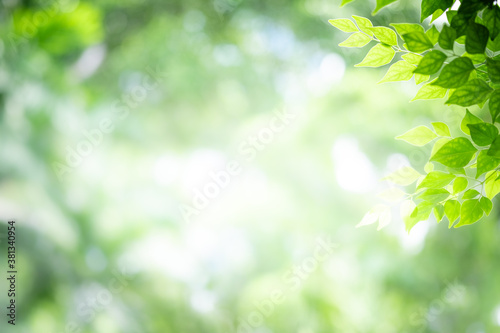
(357, 39)
(438, 144)
(493, 69)
(460, 184)
(420, 213)
(452, 211)
(494, 45)
(494, 105)
(476, 58)
(385, 35)
(476, 38)
(378, 56)
(437, 14)
(344, 25)
(431, 63)
(492, 184)
(364, 24)
(428, 7)
(460, 24)
(494, 150)
(485, 163)
(417, 42)
(429, 167)
(486, 205)
(345, 2)
(418, 136)
(381, 4)
(436, 179)
(447, 37)
(434, 195)
(433, 34)
(399, 71)
(491, 19)
(438, 212)
(455, 74)
(406, 28)
(412, 58)
(473, 92)
(483, 134)
(469, 118)
(403, 176)
(441, 129)
(470, 212)
(470, 194)
(419, 78)
(455, 154)
(430, 91)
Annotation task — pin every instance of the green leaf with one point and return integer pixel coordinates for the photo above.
(345, 2)
(447, 37)
(433, 34)
(344, 25)
(428, 7)
(436, 179)
(403, 176)
(399, 71)
(434, 195)
(476, 58)
(460, 24)
(438, 212)
(491, 19)
(455, 154)
(494, 105)
(357, 39)
(469, 118)
(412, 58)
(441, 129)
(385, 35)
(455, 74)
(493, 69)
(494, 45)
(419, 78)
(485, 163)
(473, 92)
(418, 136)
(378, 56)
(406, 28)
(381, 213)
(417, 42)
(364, 24)
(430, 91)
(494, 150)
(492, 184)
(486, 205)
(428, 167)
(476, 38)
(470, 194)
(452, 211)
(470, 212)
(460, 184)
(483, 134)
(381, 4)
(420, 213)
(431, 63)
(438, 144)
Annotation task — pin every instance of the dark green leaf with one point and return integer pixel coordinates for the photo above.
(495, 148)
(491, 19)
(428, 7)
(473, 92)
(459, 23)
(494, 105)
(455, 74)
(493, 69)
(483, 134)
(476, 38)
(417, 42)
(447, 37)
(431, 63)
(455, 154)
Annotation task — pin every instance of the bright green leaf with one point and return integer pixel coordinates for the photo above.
(494, 150)
(433, 34)
(378, 56)
(399, 71)
(485, 163)
(441, 129)
(419, 78)
(412, 58)
(392, 194)
(470, 194)
(455, 154)
(452, 211)
(438, 144)
(364, 24)
(358, 39)
(420, 213)
(403, 176)
(483, 134)
(417, 42)
(434, 195)
(492, 184)
(428, 7)
(381, 4)
(430, 91)
(344, 25)
(486, 205)
(470, 212)
(460, 184)
(418, 136)
(469, 118)
(438, 212)
(436, 179)
(406, 28)
(385, 35)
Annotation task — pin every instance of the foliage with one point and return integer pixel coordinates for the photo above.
(462, 62)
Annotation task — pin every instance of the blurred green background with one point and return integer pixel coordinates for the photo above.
(114, 117)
